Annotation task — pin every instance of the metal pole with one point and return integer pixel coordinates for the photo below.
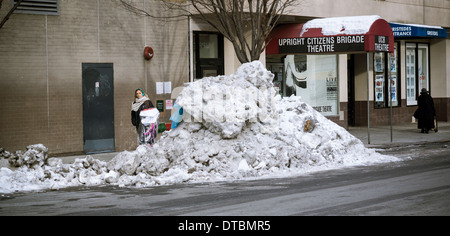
(390, 91)
(368, 98)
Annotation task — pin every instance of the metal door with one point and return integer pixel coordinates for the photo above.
(98, 107)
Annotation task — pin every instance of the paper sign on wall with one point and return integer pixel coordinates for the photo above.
(160, 105)
(168, 87)
(169, 104)
(159, 87)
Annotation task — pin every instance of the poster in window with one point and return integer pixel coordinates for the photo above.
(332, 88)
(394, 89)
(422, 80)
(379, 88)
(393, 61)
(379, 62)
(314, 78)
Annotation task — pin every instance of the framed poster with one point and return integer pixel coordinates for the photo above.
(393, 60)
(394, 82)
(379, 62)
(379, 88)
(394, 89)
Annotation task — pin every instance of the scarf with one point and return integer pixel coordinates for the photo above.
(135, 105)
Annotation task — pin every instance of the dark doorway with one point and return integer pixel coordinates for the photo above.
(351, 88)
(98, 107)
(208, 54)
(278, 70)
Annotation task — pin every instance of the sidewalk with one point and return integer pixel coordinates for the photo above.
(401, 134)
(380, 136)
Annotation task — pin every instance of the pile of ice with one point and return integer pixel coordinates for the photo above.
(35, 155)
(235, 127)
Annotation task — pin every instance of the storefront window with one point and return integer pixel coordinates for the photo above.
(379, 79)
(314, 78)
(417, 71)
(411, 74)
(423, 67)
(386, 66)
(277, 70)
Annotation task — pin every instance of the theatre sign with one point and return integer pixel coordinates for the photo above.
(332, 35)
(330, 44)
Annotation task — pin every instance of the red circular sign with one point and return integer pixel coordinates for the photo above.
(148, 53)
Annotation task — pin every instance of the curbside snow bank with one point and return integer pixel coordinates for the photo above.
(234, 127)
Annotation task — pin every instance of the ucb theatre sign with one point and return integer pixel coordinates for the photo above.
(381, 43)
(330, 44)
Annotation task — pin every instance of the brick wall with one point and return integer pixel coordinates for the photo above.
(381, 116)
(442, 106)
(400, 115)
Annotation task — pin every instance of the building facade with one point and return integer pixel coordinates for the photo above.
(420, 59)
(69, 69)
(343, 82)
(68, 72)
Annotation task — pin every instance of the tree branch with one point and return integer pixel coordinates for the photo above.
(10, 12)
(234, 19)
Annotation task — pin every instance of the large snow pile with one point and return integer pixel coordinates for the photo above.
(235, 127)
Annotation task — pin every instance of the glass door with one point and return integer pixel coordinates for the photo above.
(208, 54)
(423, 67)
(417, 71)
(411, 75)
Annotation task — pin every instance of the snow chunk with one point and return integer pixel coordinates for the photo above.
(224, 104)
(243, 166)
(35, 155)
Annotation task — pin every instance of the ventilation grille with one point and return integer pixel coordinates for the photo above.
(43, 7)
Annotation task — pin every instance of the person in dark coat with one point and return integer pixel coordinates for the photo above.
(141, 102)
(426, 112)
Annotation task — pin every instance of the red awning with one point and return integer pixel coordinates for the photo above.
(332, 35)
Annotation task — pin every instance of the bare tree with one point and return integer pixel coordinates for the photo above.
(233, 18)
(245, 23)
(6, 18)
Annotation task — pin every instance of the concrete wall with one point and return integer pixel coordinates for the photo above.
(41, 74)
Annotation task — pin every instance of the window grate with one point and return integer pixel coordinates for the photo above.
(42, 7)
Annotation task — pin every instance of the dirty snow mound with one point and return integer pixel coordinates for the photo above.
(225, 104)
(235, 127)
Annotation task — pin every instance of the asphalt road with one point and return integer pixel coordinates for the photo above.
(419, 185)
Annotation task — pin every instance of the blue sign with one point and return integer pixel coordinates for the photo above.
(416, 31)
